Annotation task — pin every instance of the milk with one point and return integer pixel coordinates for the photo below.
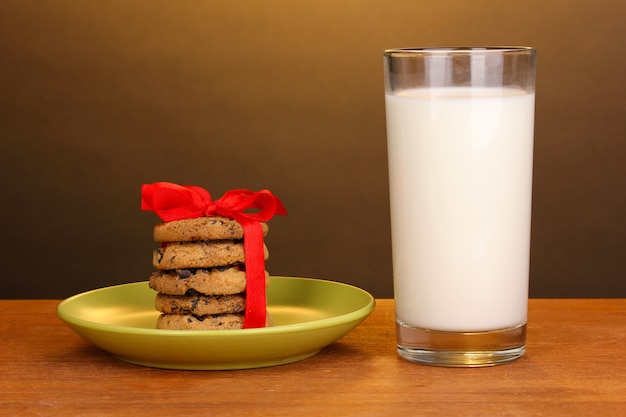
(460, 168)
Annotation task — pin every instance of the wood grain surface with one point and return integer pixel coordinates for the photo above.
(574, 366)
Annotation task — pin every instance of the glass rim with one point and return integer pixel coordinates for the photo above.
(451, 50)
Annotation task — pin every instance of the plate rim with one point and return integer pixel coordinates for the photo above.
(339, 320)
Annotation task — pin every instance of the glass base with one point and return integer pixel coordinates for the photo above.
(458, 349)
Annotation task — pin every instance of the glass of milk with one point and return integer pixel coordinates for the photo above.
(460, 148)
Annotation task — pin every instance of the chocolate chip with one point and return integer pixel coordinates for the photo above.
(183, 273)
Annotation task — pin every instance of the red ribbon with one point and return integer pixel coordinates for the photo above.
(176, 202)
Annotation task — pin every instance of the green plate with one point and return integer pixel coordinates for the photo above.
(308, 314)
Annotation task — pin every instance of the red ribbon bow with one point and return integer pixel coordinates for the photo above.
(176, 202)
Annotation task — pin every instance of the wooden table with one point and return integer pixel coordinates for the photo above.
(575, 366)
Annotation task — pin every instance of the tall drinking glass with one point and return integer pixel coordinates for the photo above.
(460, 148)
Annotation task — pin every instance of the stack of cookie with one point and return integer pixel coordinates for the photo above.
(201, 277)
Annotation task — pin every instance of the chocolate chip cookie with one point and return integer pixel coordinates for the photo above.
(201, 228)
(205, 254)
(210, 281)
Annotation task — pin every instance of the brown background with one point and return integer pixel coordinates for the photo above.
(98, 97)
